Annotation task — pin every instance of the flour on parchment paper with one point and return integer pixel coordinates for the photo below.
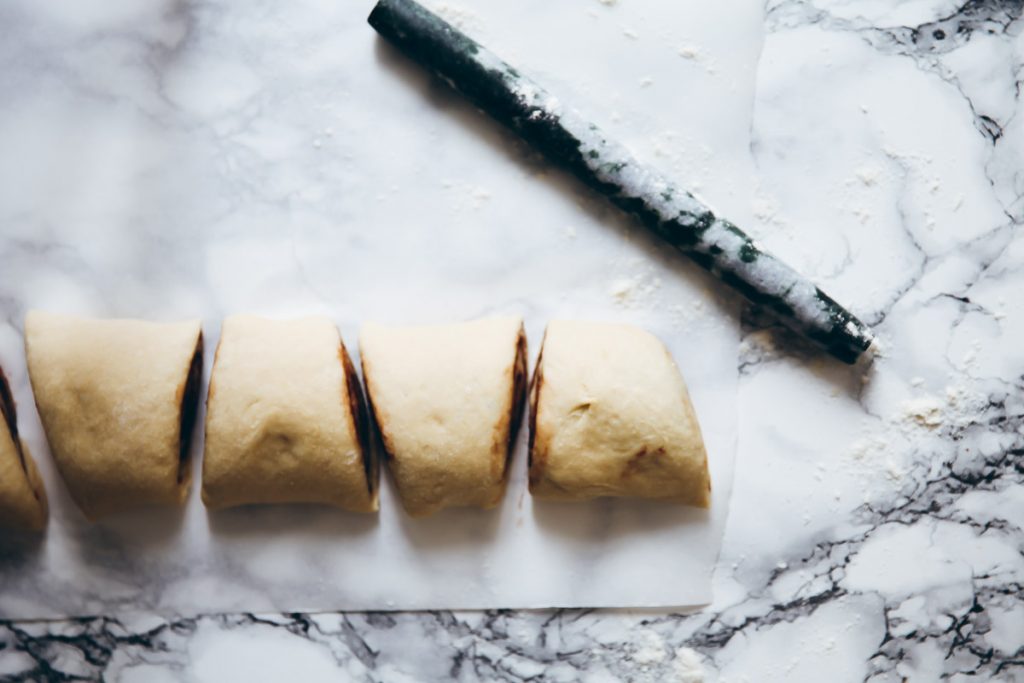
(696, 55)
(632, 290)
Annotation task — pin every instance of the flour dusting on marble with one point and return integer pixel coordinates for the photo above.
(924, 410)
(687, 666)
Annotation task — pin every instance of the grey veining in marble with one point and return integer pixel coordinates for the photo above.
(877, 525)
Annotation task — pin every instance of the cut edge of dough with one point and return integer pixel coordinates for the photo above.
(211, 389)
(519, 391)
(538, 445)
(508, 428)
(9, 410)
(505, 431)
(357, 411)
(187, 397)
(536, 456)
(376, 430)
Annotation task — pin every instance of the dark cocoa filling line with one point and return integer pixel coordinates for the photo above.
(189, 407)
(10, 415)
(518, 394)
(357, 408)
(535, 385)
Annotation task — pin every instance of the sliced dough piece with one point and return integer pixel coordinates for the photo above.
(117, 399)
(22, 496)
(447, 400)
(285, 420)
(610, 416)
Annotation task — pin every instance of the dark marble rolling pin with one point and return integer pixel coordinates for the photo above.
(579, 146)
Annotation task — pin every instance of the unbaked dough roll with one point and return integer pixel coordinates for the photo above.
(22, 496)
(447, 400)
(610, 416)
(285, 421)
(117, 399)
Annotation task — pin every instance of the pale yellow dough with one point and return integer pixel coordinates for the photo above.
(610, 416)
(285, 420)
(113, 396)
(447, 399)
(22, 496)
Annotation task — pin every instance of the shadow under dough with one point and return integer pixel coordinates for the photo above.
(298, 519)
(451, 529)
(608, 518)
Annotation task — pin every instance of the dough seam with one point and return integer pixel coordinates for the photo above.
(10, 417)
(360, 419)
(519, 386)
(188, 410)
(537, 454)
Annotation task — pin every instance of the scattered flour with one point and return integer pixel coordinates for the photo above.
(687, 666)
(859, 194)
(631, 291)
(694, 54)
(467, 195)
(608, 3)
(925, 410)
(879, 347)
(882, 447)
(646, 82)
(650, 648)
(893, 471)
(683, 315)
(690, 52)
(687, 159)
(570, 232)
(868, 175)
(622, 289)
(631, 34)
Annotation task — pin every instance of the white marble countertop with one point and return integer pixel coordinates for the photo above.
(875, 532)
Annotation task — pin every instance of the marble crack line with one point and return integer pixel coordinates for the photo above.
(94, 639)
(928, 500)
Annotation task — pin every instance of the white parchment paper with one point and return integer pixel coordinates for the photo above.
(168, 161)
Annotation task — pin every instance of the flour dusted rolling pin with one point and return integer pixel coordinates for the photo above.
(570, 141)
